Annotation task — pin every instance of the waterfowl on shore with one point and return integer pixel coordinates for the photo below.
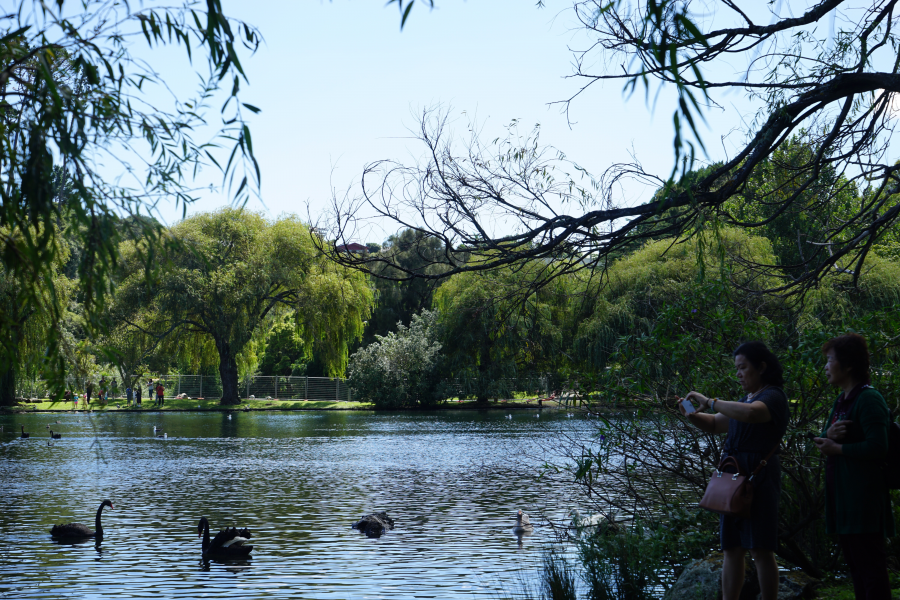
(77, 531)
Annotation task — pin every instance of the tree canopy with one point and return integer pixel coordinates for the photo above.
(837, 91)
(89, 132)
(232, 270)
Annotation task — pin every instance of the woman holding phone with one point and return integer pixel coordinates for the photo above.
(755, 425)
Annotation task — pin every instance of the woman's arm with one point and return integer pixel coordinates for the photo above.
(703, 421)
(874, 417)
(709, 423)
(753, 412)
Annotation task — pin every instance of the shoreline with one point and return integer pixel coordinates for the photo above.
(284, 406)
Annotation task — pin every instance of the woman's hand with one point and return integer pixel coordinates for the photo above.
(838, 431)
(828, 447)
(702, 401)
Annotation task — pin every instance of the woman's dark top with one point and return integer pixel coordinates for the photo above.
(858, 502)
(759, 437)
(749, 443)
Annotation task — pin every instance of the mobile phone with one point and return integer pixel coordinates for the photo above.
(687, 406)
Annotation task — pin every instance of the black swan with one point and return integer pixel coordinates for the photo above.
(55, 436)
(228, 543)
(79, 531)
(25, 436)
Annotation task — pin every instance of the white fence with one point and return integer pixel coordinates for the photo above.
(208, 386)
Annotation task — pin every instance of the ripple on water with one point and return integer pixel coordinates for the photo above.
(297, 480)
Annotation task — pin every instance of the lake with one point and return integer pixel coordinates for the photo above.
(452, 481)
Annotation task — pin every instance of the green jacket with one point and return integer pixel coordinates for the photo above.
(862, 503)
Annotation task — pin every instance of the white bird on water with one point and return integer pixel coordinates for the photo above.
(509, 416)
(581, 521)
(229, 417)
(537, 415)
(523, 523)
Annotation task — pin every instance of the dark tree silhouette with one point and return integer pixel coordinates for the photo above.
(512, 200)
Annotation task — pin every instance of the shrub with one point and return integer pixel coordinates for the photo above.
(402, 368)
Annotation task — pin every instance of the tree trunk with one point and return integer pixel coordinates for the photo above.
(484, 369)
(8, 387)
(229, 374)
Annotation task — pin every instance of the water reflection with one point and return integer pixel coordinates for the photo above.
(298, 481)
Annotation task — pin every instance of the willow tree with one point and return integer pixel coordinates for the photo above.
(25, 325)
(490, 334)
(86, 104)
(227, 274)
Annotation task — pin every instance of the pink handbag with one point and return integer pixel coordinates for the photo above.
(732, 493)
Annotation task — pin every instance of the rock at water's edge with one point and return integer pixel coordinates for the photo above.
(702, 580)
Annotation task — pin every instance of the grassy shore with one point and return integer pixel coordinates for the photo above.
(212, 404)
(844, 591)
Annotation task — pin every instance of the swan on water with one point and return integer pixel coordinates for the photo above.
(228, 543)
(71, 531)
(581, 521)
(523, 523)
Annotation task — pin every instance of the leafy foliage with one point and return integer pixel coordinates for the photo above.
(230, 272)
(78, 104)
(835, 93)
(398, 301)
(491, 335)
(650, 461)
(401, 369)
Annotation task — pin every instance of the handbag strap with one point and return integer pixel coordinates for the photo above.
(758, 468)
(763, 462)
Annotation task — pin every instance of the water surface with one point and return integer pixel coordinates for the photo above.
(452, 480)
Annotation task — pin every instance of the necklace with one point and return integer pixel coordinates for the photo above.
(752, 394)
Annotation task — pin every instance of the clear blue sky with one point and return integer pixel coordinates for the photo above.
(339, 83)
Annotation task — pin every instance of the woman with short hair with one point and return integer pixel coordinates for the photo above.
(855, 443)
(755, 425)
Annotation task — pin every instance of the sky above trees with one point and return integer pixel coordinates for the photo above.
(339, 86)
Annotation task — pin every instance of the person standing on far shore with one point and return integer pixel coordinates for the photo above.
(755, 425)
